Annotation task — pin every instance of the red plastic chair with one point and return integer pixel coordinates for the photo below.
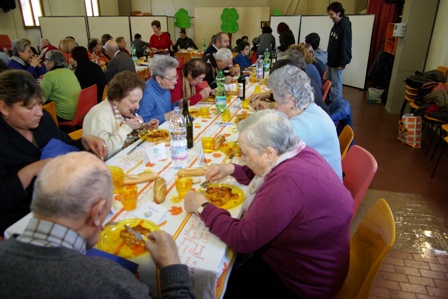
(86, 100)
(5, 42)
(326, 85)
(359, 167)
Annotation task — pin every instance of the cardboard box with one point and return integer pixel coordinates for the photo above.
(374, 95)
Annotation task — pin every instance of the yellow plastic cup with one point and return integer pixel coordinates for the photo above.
(207, 144)
(183, 185)
(204, 111)
(117, 177)
(226, 115)
(128, 197)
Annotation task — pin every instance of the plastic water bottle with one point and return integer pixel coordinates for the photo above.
(178, 140)
(134, 54)
(204, 45)
(220, 96)
(266, 63)
(260, 68)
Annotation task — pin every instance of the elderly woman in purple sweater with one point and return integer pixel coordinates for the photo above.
(293, 238)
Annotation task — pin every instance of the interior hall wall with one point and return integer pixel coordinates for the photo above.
(438, 49)
(208, 22)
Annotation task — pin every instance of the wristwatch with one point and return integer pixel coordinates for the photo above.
(201, 207)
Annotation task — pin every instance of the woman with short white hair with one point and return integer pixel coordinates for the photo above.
(60, 85)
(294, 96)
(289, 237)
(156, 101)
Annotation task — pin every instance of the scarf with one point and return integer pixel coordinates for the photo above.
(187, 89)
(258, 180)
(19, 61)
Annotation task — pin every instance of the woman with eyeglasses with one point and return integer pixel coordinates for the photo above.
(156, 101)
(24, 59)
(191, 85)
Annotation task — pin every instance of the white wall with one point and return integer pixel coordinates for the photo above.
(438, 49)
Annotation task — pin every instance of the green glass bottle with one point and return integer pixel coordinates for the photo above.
(188, 123)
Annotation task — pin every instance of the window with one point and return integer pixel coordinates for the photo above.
(92, 9)
(31, 11)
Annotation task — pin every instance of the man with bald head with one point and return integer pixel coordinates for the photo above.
(45, 46)
(220, 40)
(120, 61)
(67, 220)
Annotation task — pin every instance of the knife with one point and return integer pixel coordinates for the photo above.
(136, 234)
(138, 144)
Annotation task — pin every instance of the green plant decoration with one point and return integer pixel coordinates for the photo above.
(277, 12)
(182, 19)
(229, 17)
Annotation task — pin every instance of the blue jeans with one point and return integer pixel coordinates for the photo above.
(335, 75)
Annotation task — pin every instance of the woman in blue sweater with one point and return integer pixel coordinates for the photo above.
(243, 56)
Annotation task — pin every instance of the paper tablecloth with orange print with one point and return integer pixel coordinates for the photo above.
(207, 257)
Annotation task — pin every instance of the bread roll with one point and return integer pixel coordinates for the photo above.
(140, 178)
(159, 190)
(218, 142)
(200, 171)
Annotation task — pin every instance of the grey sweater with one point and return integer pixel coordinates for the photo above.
(29, 271)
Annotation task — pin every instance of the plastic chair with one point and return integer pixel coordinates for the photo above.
(345, 139)
(326, 85)
(359, 167)
(5, 42)
(86, 100)
(324, 76)
(51, 108)
(104, 93)
(445, 139)
(368, 247)
(75, 135)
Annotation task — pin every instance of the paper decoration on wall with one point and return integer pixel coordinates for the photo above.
(182, 19)
(277, 12)
(229, 17)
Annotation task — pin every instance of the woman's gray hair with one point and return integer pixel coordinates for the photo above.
(268, 128)
(19, 45)
(293, 81)
(57, 57)
(297, 57)
(223, 54)
(161, 63)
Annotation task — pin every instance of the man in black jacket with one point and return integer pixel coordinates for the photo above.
(339, 48)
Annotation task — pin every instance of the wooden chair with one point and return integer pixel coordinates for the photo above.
(75, 135)
(359, 167)
(368, 247)
(86, 100)
(51, 108)
(345, 139)
(326, 85)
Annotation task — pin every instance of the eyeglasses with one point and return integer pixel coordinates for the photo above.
(173, 79)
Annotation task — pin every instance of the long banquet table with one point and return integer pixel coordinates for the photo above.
(209, 259)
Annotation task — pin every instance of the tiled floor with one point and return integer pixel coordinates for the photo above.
(407, 272)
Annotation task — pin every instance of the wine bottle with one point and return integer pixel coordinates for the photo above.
(188, 123)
